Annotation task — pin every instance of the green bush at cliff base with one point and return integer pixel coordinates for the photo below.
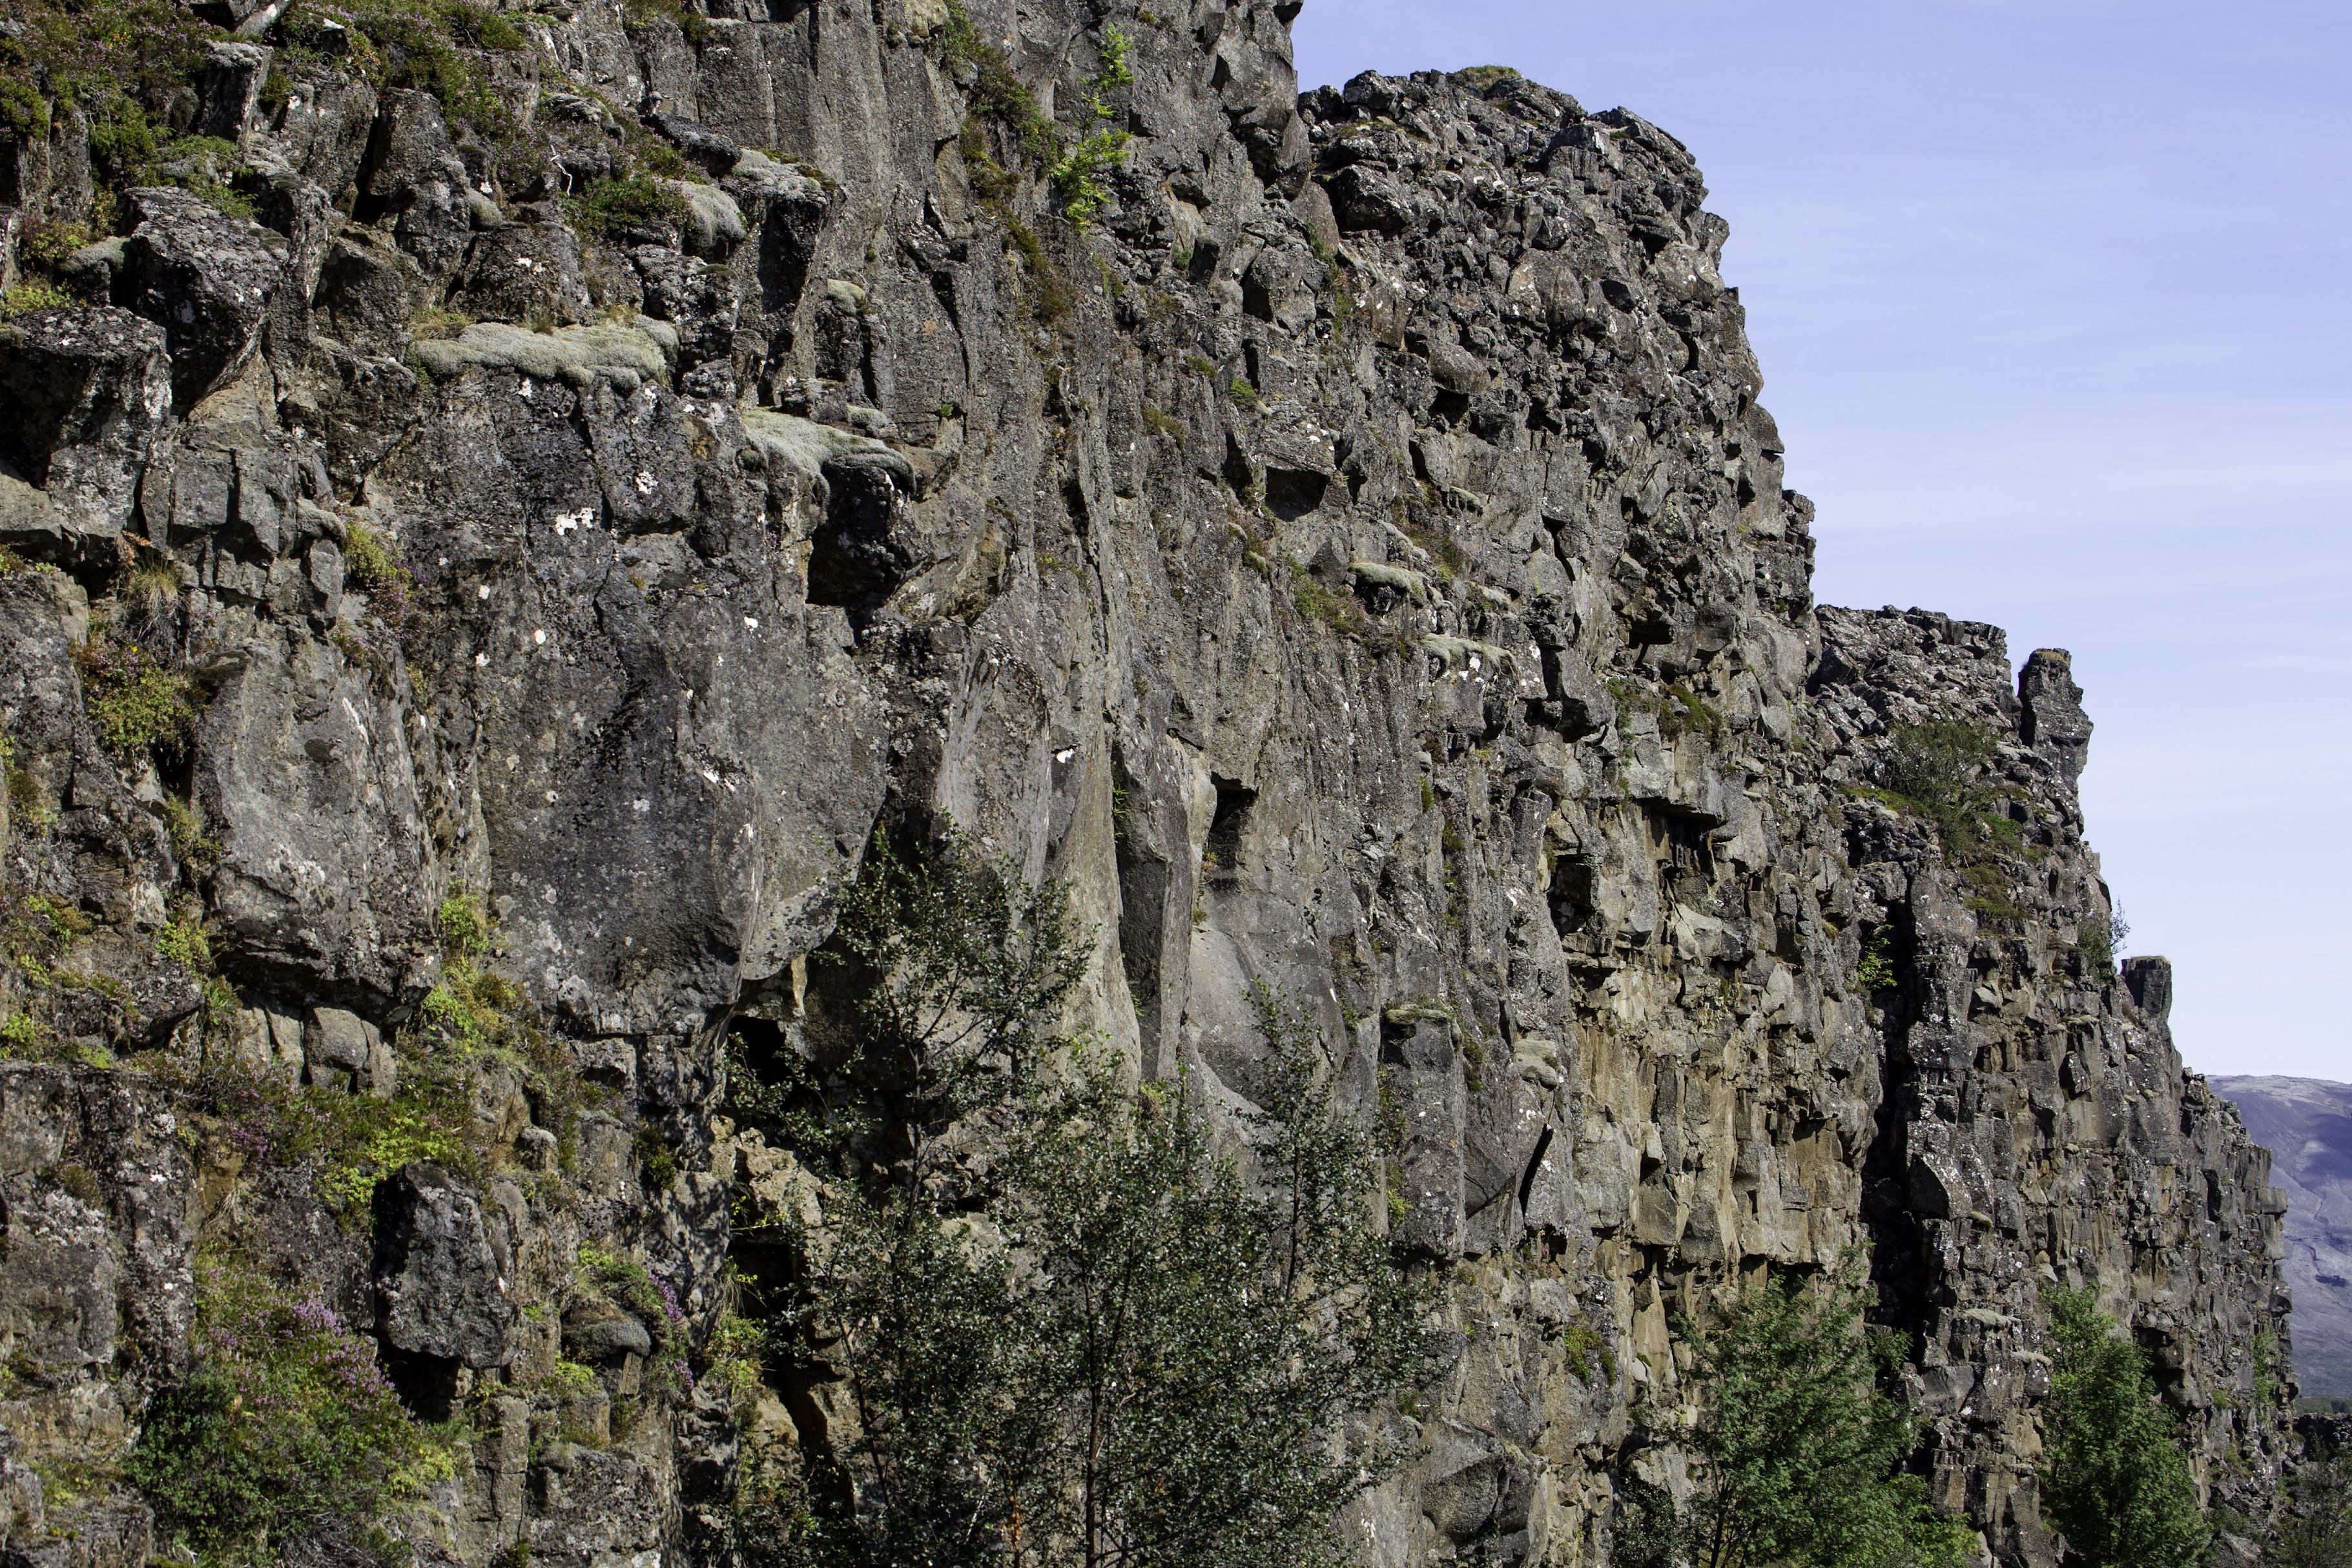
(1799, 1452)
(284, 1423)
(2114, 1473)
(2315, 1528)
(1074, 1327)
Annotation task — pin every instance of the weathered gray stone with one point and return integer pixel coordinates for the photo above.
(438, 1288)
(206, 278)
(88, 391)
(1359, 565)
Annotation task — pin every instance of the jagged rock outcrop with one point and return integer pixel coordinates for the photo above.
(1357, 561)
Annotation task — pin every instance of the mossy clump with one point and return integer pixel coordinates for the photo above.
(613, 206)
(26, 297)
(372, 564)
(1683, 711)
(38, 988)
(653, 1303)
(1480, 78)
(638, 16)
(184, 943)
(198, 853)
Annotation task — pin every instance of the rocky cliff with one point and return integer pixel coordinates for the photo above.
(2309, 1122)
(491, 544)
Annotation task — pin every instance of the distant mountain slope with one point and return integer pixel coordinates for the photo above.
(2307, 1123)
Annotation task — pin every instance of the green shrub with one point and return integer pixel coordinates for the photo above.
(1135, 1349)
(611, 207)
(423, 49)
(465, 928)
(29, 297)
(2114, 1473)
(2315, 1530)
(284, 1423)
(107, 61)
(996, 91)
(1800, 1453)
(2095, 941)
(137, 703)
(355, 1140)
(478, 26)
(1245, 396)
(1078, 175)
(1877, 971)
(1098, 1331)
(956, 968)
(1936, 769)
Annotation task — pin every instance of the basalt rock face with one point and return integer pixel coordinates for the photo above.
(1356, 561)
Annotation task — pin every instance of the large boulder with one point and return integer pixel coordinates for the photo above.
(86, 391)
(206, 277)
(440, 1291)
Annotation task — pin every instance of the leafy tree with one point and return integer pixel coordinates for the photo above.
(2315, 1530)
(952, 973)
(2114, 1478)
(1206, 1336)
(1076, 1324)
(1800, 1451)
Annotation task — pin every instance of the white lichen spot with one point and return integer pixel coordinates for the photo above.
(539, 637)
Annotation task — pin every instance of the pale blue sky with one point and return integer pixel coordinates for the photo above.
(2050, 297)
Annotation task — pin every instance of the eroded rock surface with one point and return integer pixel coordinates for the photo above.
(1357, 561)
